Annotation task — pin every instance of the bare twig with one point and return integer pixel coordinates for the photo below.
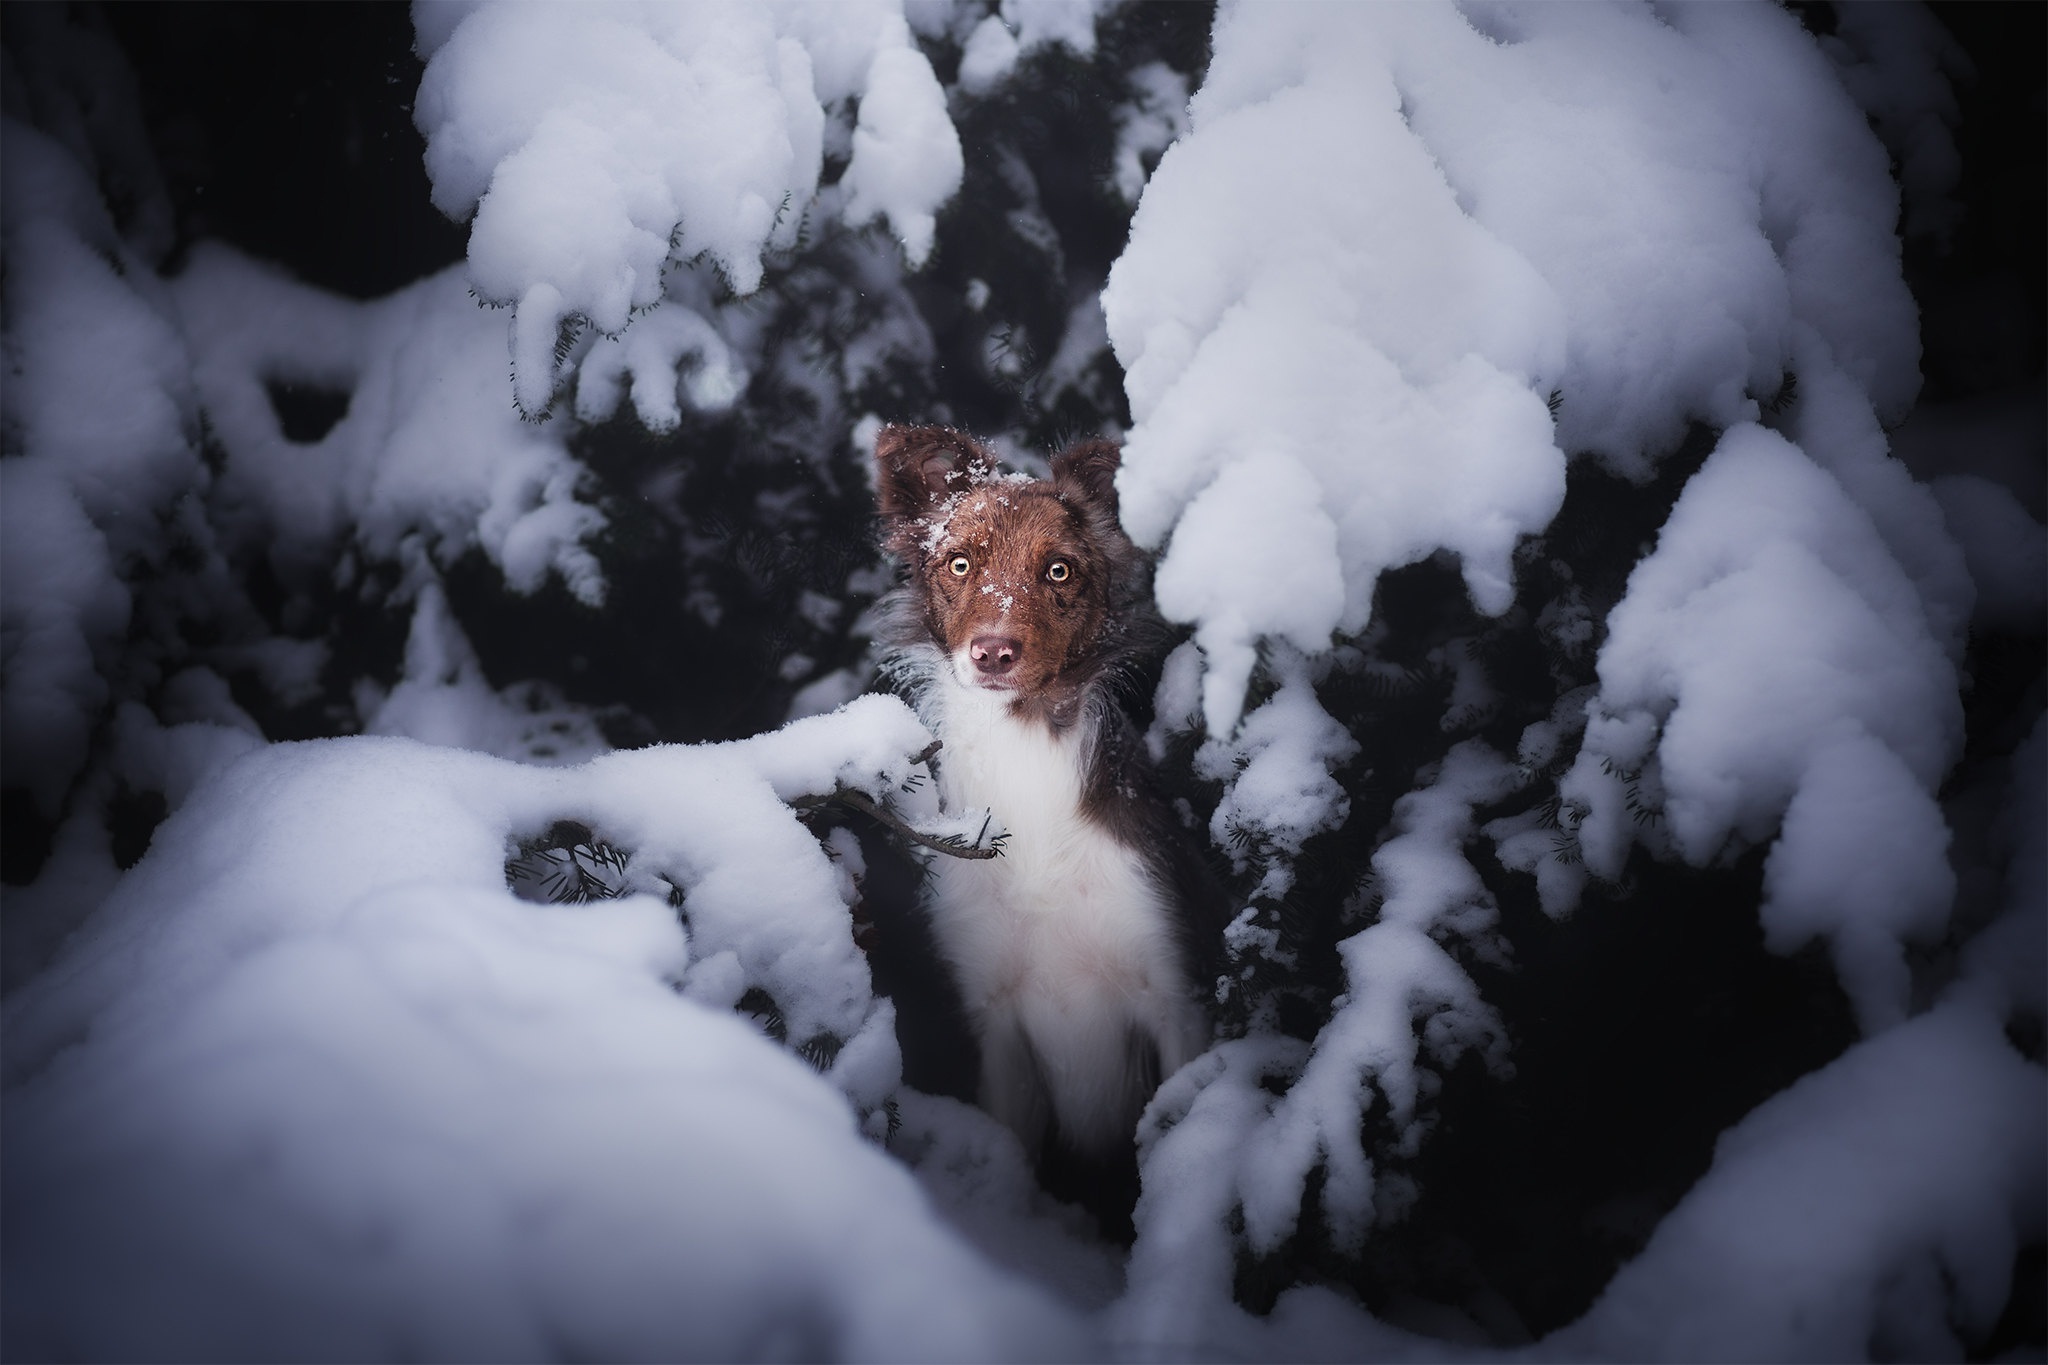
(868, 806)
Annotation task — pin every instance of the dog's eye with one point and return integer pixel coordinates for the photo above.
(1058, 572)
(959, 565)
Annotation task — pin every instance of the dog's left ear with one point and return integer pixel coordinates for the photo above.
(1087, 469)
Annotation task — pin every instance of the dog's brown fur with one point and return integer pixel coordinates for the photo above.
(1025, 600)
(945, 507)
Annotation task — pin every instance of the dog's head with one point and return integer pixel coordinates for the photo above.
(1016, 580)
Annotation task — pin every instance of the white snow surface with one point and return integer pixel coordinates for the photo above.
(593, 147)
(310, 1085)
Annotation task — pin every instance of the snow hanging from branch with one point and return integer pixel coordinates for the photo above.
(102, 420)
(1772, 662)
(1406, 258)
(593, 147)
(1305, 313)
(1375, 257)
(427, 446)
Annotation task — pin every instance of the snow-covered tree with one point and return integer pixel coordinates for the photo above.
(1610, 687)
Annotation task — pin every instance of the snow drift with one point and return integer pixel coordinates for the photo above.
(312, 1085)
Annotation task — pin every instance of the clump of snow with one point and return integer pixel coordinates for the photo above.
(1285, 579)
(1281, 760)
(1746, 194)
(997, 42)
(1069, 23)
(1193, 1140)
(906, 156)
(1149, 124)
(443, 698)
(1200, 1137)
(592, 151)
(1399, 979)
(1771, 661)
(671, 341)
(1899, 61)
(483, 1127)
(428, 444)
(101, 419)
(2006, 550)
(1861, 858)
(1367, 257)
(1305, 315)
(1835, 423)
(988, 56)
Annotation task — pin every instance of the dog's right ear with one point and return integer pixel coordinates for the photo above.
(916, 467)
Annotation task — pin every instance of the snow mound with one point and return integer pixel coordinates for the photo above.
(311, 1085)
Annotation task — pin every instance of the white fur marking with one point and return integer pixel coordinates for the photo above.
(1063, 943)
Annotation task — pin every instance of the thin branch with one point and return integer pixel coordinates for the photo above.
(868, 806)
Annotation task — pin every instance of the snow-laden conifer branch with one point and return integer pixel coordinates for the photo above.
(952, 838)
(591, 150)
(1397, 269)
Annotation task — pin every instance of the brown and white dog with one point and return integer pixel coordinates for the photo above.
(1021, 610)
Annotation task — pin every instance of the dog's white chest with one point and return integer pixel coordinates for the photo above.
(1064, 941)
(1065, 897)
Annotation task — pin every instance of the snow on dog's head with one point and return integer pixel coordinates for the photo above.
(1018, 582)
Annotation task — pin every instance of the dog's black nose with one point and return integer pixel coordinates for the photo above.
(994, 653)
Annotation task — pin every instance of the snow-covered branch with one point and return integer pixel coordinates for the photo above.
(593, 150)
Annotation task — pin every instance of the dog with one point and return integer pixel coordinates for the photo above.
(1022, 610)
